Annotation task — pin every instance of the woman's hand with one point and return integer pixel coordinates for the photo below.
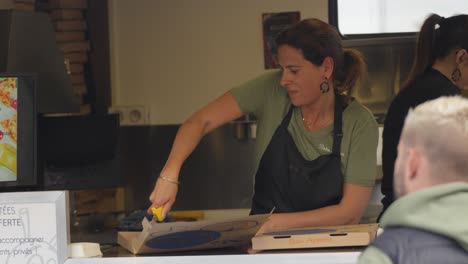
(270, 225)
(164, 194)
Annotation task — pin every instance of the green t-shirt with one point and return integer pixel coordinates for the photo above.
(269, 102)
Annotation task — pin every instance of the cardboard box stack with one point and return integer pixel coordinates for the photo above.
(70, 26)
(28, 5)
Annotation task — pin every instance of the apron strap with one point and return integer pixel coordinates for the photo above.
(337, 125)
(284, 124)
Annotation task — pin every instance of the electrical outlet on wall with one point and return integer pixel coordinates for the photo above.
(131, 115)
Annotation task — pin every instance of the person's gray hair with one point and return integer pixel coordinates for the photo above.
(440, 129)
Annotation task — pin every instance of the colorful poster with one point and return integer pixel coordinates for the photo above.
(273, 24)
(8, 128)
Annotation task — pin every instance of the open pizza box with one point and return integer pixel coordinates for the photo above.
(184, 236)
(317, 237)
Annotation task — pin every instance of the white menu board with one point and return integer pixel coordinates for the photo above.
(34, 227)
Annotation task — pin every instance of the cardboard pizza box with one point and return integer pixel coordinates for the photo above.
(317, 237)
(185, 236)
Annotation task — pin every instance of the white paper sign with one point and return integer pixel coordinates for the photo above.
(34, 227)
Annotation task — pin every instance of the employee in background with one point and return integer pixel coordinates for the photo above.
(428, 221)
(315, 145)
(440, 68)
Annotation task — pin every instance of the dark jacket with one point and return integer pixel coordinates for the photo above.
(431, 85)
(427, 226)
(405, 245)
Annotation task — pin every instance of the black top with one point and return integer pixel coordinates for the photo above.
(430, 85)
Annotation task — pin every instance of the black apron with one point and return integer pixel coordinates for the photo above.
(288, 182)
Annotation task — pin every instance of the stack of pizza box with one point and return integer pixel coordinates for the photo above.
(28, 5)
(68, 17)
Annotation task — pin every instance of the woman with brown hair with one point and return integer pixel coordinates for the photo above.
(315, 146)
(440, 68)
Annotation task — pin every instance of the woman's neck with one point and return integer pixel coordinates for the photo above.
(318, 115)
(445, 67)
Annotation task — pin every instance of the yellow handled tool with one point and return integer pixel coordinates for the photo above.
(157, 212)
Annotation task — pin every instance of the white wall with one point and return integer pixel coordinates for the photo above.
(174, 56)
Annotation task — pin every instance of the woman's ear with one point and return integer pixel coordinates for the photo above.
(461, 56)
(328, 65)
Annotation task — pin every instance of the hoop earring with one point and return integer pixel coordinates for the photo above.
(456, 75)
(324, 86)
